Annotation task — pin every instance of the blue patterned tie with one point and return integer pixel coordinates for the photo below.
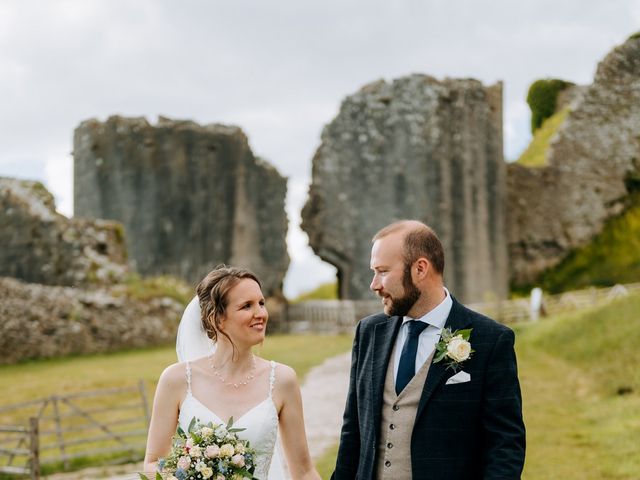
(407, 366)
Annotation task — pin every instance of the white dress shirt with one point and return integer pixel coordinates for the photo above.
(435, 319)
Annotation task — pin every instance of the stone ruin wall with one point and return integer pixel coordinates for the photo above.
(40, 245)
(41, 321)
(592, 165)
(189, 196)
(414, 148)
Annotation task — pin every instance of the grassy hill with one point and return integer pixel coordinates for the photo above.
(580, 377)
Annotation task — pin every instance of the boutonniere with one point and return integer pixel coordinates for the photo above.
(453, 347)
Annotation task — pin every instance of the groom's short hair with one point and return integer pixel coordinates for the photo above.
(419, 241)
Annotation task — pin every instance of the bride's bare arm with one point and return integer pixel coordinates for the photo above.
(164, 417)
(292, 432)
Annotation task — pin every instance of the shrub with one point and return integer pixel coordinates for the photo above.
(542, 99)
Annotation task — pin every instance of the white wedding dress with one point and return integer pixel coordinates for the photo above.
(260, 424)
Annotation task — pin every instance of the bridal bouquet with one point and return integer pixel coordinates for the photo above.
(208, 451)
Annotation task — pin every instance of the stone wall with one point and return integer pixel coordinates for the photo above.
(38, 321)
(190, 196)
(42, 246)
(593, 163)
(414, 148)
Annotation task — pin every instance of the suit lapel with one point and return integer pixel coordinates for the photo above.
(385, 334)
(455, 321)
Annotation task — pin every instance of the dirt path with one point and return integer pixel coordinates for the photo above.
(323, 395)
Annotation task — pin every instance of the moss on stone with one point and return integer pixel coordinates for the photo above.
(612, 257)
(146, 288)
(542, 99)
(536, 153)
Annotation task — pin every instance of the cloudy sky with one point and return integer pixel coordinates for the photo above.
(277, 69)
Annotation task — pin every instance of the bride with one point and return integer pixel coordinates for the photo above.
(219, 378)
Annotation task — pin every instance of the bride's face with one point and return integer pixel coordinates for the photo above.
(245, 319)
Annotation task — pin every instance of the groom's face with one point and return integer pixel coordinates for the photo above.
(391, 277)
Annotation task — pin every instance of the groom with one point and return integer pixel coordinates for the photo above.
(410, 414)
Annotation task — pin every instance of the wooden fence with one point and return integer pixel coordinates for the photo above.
(341, 316)
(23, 459)
(109, 423)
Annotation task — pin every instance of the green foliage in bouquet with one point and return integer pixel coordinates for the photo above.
(207, 451)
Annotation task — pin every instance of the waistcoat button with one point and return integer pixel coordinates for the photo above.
(392, 426)
(389, 445)
(396, 408)
(387, 463)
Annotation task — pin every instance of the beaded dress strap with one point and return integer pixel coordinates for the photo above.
(188, 378)
(272, 377)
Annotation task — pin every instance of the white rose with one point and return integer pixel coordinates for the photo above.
(227, 450)
(458, 349)
(206, 472)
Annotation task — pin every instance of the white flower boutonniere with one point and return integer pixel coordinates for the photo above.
(453, 347)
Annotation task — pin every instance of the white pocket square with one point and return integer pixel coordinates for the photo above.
(460, 377)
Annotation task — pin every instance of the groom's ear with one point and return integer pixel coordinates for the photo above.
(421, 267)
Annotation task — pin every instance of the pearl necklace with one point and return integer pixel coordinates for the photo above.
(247, 379)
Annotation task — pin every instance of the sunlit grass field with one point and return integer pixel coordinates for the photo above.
(39, 379)
(580, 378)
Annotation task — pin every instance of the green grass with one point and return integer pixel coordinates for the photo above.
(613, 256)
(535, 156)
(37, 379)
(571, 369)
(326, 291)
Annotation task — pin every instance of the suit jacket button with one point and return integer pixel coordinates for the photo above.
(396, 408)
(387, 463)
(392, 426)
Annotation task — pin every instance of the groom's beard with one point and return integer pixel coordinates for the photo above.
(400, 306)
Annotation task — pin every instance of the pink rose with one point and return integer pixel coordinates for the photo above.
(212, 451)
(184, 462)
(238, 460)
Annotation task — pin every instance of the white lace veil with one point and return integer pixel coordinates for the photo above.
(192, 341)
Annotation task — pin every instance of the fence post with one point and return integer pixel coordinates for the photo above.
(56, 414)
(145, 403)
(34, 447)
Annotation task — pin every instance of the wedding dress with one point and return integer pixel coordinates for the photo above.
(260, 424)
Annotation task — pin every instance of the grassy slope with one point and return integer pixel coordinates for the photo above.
(536, 153)
(571, 367)
(613, 256)
(325, 291)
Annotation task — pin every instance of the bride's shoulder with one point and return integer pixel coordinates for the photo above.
(174, 375)
(285, 375)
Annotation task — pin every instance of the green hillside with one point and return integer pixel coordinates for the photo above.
(581, 391)
(536, 153)
(612, 257)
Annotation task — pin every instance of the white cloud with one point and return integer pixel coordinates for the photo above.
(278, 69)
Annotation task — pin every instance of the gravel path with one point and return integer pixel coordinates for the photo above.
(323, 395)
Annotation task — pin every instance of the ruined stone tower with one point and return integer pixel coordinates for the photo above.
(189, 196)
(414, 148)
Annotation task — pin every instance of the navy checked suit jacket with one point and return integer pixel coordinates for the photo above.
(464, 431)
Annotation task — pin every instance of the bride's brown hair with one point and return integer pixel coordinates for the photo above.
(213, 293)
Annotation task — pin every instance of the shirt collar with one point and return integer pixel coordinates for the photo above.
(437, 316)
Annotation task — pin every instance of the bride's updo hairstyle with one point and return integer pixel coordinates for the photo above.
(213, 294)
